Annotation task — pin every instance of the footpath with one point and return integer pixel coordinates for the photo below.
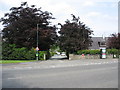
(57, 62)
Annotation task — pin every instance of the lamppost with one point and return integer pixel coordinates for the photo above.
(37, 45)
(37, 49)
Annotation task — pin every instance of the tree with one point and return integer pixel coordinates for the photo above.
(20, 27)
(74, 36)
(114, 41)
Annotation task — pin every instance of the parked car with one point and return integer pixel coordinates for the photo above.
(63, 54)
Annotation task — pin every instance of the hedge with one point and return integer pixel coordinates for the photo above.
(93, 52)
(113, 51)
(10, 52)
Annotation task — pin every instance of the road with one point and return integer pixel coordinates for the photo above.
(62, 74)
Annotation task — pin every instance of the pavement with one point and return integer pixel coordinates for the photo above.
(57, 64)
(62, 73)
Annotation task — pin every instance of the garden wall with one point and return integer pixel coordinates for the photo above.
(76, 57)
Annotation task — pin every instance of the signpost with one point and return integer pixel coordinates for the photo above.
(37, 49)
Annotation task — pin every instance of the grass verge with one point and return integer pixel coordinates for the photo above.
(14, 61)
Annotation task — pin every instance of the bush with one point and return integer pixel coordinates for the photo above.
(41, 55)
(52, 53)
(92, 52)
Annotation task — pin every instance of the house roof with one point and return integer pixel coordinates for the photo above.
(95, 40)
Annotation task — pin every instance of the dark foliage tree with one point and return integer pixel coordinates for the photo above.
(114, 41)
(74, 36)
(20, 27)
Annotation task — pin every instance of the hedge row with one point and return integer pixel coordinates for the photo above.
(113, 51)
(93, 52)
(10, 52)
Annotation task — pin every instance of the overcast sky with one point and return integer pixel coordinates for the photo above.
(99, 15)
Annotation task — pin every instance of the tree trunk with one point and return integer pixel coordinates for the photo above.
(67, 54)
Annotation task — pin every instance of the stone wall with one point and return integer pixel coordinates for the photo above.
(76, 57)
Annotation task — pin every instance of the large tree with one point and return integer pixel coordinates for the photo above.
(20, 27)
(74, 35)
(114, 41)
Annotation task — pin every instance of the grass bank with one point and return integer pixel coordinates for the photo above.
(15, 61)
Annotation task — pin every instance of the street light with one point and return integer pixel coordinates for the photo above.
(37, 55)
(37, 45)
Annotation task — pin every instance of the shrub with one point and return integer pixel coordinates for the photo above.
(52, 53)
(92, 52)
(41, 55)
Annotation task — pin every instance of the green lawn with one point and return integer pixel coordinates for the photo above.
(14, 61)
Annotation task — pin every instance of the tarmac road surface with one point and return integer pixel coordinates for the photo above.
(62, 74)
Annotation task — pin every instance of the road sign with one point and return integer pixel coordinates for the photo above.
(37, 48)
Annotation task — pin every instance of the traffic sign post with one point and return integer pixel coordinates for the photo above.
(37, 54)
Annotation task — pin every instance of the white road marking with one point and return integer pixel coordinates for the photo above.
(36, 67)
(115, 61)
(15, 78)
(28, 67)
(99, 63)
(18, 68)
(104, 62)
(95, 63)
(86, 64)
(52, 66)
(91, 63)
(61, 61)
